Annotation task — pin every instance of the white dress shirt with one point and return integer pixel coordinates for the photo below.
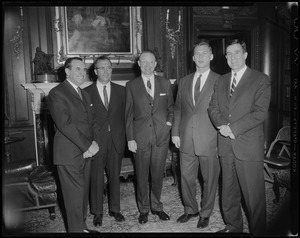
(239, 75)
(145, 79)
(203, 80)
(100, 90)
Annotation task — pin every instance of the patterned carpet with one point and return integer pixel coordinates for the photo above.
(38, 221)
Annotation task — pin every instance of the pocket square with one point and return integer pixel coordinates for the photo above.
(91, 105)
(162, 94)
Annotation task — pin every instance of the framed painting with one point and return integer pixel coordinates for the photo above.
(91, 31)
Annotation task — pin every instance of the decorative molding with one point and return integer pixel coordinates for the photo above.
(17, 38)
(174, 36)
(136, 32)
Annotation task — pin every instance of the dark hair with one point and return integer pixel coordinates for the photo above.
(68, 62)
(202, 42)
(237, 41)
(103, 57)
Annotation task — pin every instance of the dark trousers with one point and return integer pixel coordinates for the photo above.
(75, 181)
(243, 178)
(151, 159)
(210, 170)
(110, 161)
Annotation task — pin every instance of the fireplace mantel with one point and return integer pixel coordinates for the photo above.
(38, 92)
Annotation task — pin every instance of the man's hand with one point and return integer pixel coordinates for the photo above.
(132, 146)
(92, 150)
(176, 141)
(169, 123)
(226, 131)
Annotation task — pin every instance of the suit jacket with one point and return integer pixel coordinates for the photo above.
(114, 116)
(142, 114)
(246, 111)
(73, 118)
(192, 123)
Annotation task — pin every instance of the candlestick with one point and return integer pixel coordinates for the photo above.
(167, 15)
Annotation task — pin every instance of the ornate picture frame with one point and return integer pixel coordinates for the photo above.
(89, 32)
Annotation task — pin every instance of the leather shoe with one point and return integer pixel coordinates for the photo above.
(118, 216)
(185, 217)
(223, 231)
(97, 221)
(203, 222)
(143, 218)
(162, 215)
(90, 231)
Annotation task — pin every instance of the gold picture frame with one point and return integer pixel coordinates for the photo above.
(89, 32)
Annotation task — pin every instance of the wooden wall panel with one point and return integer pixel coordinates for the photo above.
(18, 103)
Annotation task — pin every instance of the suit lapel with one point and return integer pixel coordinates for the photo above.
(190, 89)
(243, 84)
(97, 95)
(227, 85)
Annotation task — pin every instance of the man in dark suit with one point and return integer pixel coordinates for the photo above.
(238, 109)
(195, 136)
(149, 117)
(109, 103)
(71, 110)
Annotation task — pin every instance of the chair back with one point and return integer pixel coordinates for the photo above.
(283, 135)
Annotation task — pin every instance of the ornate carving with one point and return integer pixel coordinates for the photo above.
(58, 24)
(17, 38)
(174, 36)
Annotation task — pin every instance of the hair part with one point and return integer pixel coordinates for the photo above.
(103, 57)
(68, 62)
(202, 42)
(237, 41)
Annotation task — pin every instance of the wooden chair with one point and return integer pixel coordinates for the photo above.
(276, 159)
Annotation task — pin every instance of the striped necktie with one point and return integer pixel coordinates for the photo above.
(233, 85)
(105, 97)
(197, 88)
(79, 92)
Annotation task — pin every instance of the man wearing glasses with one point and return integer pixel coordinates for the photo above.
(109, 103)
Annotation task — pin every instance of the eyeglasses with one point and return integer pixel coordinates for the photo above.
(104, 68)
(147, 62)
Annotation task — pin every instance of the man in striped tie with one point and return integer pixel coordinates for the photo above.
(238, 109)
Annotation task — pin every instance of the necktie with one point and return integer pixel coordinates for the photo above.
(149, 86)
(233, 85)
(79, 92)
(105, 97)
(197, 88)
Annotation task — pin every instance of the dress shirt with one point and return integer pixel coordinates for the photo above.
(203, 80)
(100, 90)
(73, 85)
(145, 79)
(239, 75)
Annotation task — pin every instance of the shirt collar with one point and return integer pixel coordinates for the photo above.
(240, 73)
(99, 84)
(73, 85)
(204, 75)
(145, 78)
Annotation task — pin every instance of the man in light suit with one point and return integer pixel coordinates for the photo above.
(195, 136)
(111, 137)
(238, 109)
(72, 112)
(149, 117)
